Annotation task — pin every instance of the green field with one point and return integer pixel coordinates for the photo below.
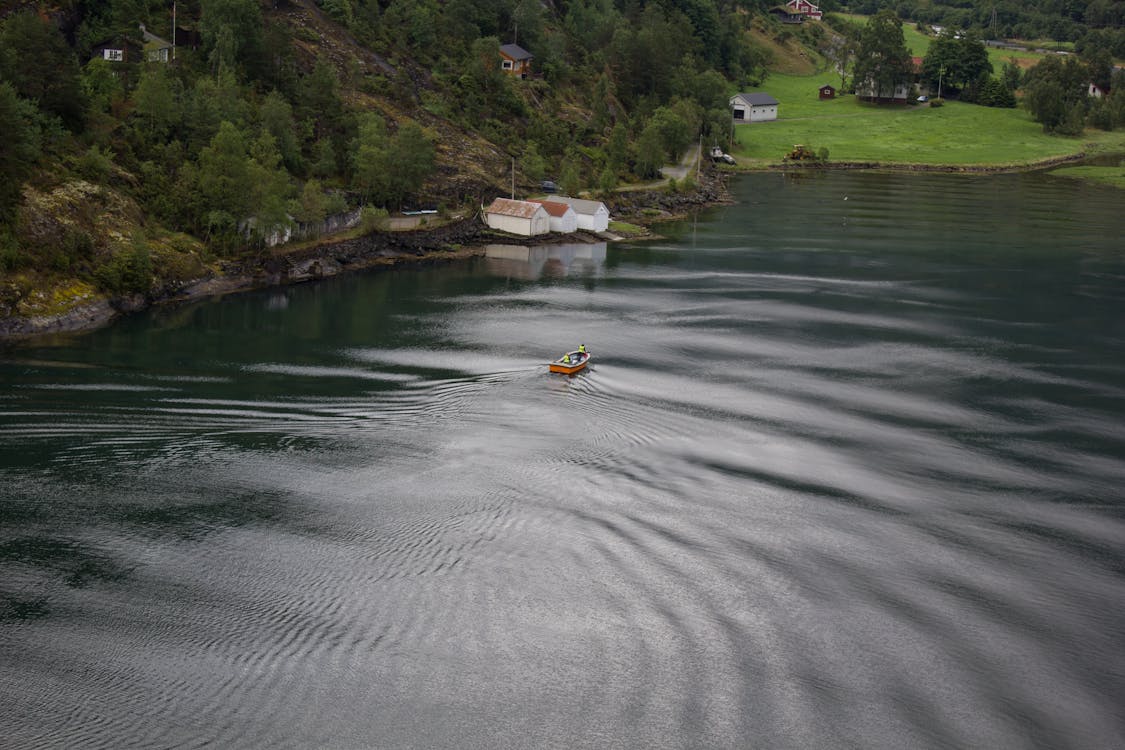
(956, 135)
(919, 44)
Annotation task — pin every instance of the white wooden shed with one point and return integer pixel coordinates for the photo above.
(753, 107)
(563, 217)
(592, 216)
(518, 217)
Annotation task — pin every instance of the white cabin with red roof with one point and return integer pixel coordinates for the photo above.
(563, 218)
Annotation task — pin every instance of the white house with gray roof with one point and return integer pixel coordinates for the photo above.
(592, 216)
(754, 107)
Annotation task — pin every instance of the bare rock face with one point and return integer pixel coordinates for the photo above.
(82, 318)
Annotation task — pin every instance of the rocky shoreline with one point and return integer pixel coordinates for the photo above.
(463, 238)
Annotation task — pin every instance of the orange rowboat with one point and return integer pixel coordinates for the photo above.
(570, 363)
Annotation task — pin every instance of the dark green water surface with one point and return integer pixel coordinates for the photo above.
(848, 471)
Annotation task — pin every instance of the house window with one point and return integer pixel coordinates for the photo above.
(113, 55)
(739, 114)
(506, 65)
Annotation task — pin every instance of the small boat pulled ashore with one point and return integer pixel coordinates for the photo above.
(571, 362)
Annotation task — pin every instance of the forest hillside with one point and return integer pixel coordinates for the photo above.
(147, 141)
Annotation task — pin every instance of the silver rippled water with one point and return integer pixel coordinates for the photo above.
(848, 471)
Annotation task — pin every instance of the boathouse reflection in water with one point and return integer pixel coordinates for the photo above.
(546, 261)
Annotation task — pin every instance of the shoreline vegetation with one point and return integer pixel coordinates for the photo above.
(458, 238)
(461, 238)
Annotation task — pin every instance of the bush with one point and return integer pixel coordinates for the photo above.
(95, 165)
(128, 271)
(10, 257)
(373, 219)
(937, 102)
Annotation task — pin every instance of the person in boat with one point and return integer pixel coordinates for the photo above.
(581, 349)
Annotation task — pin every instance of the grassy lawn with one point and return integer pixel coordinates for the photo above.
(956, 134)
(919, 44)
(1114, 176)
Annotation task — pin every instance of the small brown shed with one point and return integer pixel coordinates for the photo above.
(827, 91)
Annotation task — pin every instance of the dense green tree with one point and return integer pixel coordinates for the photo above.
(270, 187)
(1055, 94)
(211, 101)
(532, 164)
(19, 148)
(36, 60)
(1099, 66)
(369, 158)
(617, 147)
(276, 116)
(311, 206)
(1011, 74)
(991, 92)
(705, 87)
(232, 33)
(224, 180)
(644, 54)
(882, 60)
(415, 22)
(324, 162)
(607, 180)
(591, 23)
(570, 179)
(410, 162)
(318, 102)
(675, 130)
(156, 102)
(956, 60)
(340, 11)
(389, 169)
(527, 24)
(649, 151)
(100, 85)
(278, 68)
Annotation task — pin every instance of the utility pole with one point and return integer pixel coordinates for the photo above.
(173, 29)
(941, 75)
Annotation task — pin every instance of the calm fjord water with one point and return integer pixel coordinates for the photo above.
(848, 471)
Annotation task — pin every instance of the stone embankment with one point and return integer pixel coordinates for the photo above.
(652, 206)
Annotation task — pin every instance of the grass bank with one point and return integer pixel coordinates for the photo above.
(1114, 176)
(955, 135)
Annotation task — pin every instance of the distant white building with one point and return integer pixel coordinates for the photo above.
(592, 216)
(563, 218)
(518, 217)
(897, 94)
(753, 107)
